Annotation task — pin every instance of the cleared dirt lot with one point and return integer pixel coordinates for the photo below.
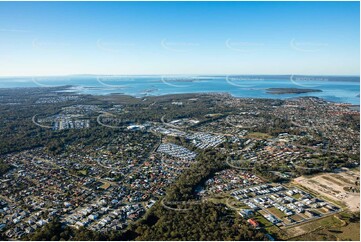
(333, 228)
(332, 185)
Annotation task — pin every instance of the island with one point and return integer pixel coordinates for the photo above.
(291, 90)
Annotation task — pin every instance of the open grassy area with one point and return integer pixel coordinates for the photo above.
(296, 196)
(336, 227)
(296, 217)
(278, 213)
(105, 185)
(83, 172)
(263, 221)
(212, 115)
(350, 231)
(258, 135)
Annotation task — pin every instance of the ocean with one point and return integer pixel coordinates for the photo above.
(334, 89)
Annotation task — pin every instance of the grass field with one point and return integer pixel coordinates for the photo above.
(83, 172)
(278, 213)
(350, 231)
(258, 135)
(337, 227)
(267, 225)
(296, 196)
(105, 185)
(296, 217)
(263, 221)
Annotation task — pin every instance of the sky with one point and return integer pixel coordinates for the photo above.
(151, 38)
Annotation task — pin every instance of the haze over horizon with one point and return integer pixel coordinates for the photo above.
(180, 75)
(174, 38)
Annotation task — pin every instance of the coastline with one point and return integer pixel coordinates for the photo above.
(72, 89)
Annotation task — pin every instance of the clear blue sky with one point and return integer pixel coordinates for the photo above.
(179, 38)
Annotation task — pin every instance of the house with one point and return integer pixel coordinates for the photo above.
(289, 192)
(93, 216)
(41, 222)
(150, 203)
(315, 205)
(271, 218)
(246, 213)
(79, 224)
(2, 226)
(29, 230)
(253, 222)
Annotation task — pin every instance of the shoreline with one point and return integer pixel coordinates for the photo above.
(72, 89)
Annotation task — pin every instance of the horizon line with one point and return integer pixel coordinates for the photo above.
(144, 75)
